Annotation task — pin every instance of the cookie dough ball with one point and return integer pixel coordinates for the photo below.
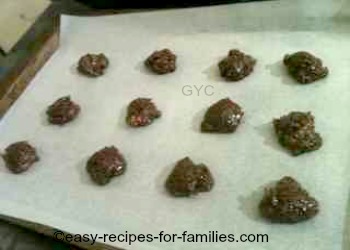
(236, 65)
(305, 67)
(188, 179)
(105, 164)
(222, 117)
(142, 112)
(288, 202)
(62, 111)
(296, 132)
(161, 62)
(93, 65)
(20, 156)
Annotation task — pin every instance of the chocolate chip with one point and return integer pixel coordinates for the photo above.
(188, 179)
(161, 62)
(222, 117)
(105, 164)
(236, 65)
(93, 65)
(62, 111)
(305, 67)
(288, 202)
(142, 112)
(296, 132)
(20, 156)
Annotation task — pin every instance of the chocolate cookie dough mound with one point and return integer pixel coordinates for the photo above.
(93, 64)
(288, 202)
(222, 117)
(161, 62)
(142, 112)
(62, 111)
(20, 156)
(305, 67)
(188, 179)
(106, 164)
(236, 65)
(296, 132)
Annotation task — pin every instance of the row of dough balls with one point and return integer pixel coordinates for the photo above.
(287, 202)
(295, 131)
(302, 66)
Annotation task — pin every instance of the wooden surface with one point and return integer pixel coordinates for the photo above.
(21, 15)
(47, 232)
(19, 67)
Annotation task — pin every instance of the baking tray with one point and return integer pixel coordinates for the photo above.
(58, 192)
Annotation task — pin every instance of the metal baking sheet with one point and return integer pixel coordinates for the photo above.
(58, 192)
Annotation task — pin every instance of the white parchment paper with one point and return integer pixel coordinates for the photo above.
(58, 192)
